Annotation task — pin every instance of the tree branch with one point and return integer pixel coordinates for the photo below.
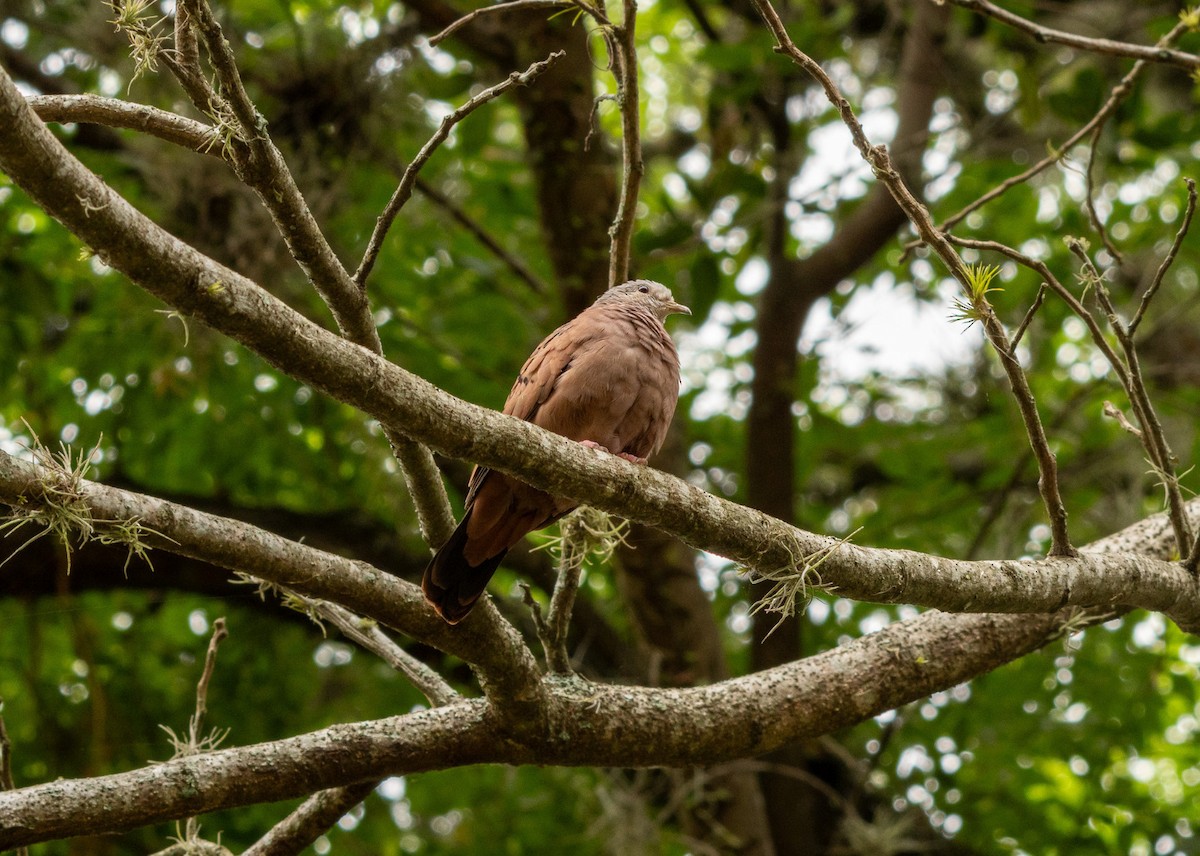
(310, 821)
(1168, 259)
(625, 69)
(558, 618)
(1101, 46)
(742, 534)
(511, 6)
(506, 668)
(114, 113)
(591, 725)
(225, 300)
(1119, 93)
(405, 188)
(367, 634)
(880, 162)
(262, 167)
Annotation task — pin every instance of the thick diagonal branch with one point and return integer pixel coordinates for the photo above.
(591, 725)
(228, 302)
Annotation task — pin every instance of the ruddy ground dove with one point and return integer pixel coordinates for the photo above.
(609, 378)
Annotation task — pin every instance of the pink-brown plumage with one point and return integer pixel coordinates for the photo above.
(609, 377)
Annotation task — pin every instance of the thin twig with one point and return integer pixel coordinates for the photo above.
(1033, 308)
(879, 160)
(405, 188)
(262, 167)
(511, 6)
(1154, 438)
(1113, 412)
(570, 568)
(514, 263)
(1169, 259)
(196, 723)
(999, 498)
(323, 809)
(1119, 93)
(1042, 34)
(1040, 268)
(625, 70)
(210, 663)
(367, 633)
(1127, 370)
(1089, 198)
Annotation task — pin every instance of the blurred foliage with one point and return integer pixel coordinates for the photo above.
(906, 426)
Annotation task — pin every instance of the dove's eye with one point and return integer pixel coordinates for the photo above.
(644, 289)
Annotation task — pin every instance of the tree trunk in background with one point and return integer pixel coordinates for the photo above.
(803, 819)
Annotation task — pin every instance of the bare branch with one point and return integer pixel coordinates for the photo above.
(231, 303)
(115, 113)
(1119, 93)
(1169, 259)
(570, 567)
(1127, 369)
(310, 820)
(405, 188)
(1113, 412)
(1153, 437)
(1089, 197)
(1025, 322)
(368, 634)
(754, 539)
(1042, 34)
(592, 725)
(511, 6)
(625, 70)
(196, 723)
(513, 262)
(880, 162)
(210, 663)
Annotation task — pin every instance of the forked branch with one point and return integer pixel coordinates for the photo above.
(880, 162)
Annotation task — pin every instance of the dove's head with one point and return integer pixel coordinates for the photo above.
(655, 297)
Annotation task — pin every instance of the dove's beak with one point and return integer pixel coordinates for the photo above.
(678, 309)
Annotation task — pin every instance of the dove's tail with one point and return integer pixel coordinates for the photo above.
(451, 583)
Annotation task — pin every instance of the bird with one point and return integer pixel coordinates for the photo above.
(609, 379)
